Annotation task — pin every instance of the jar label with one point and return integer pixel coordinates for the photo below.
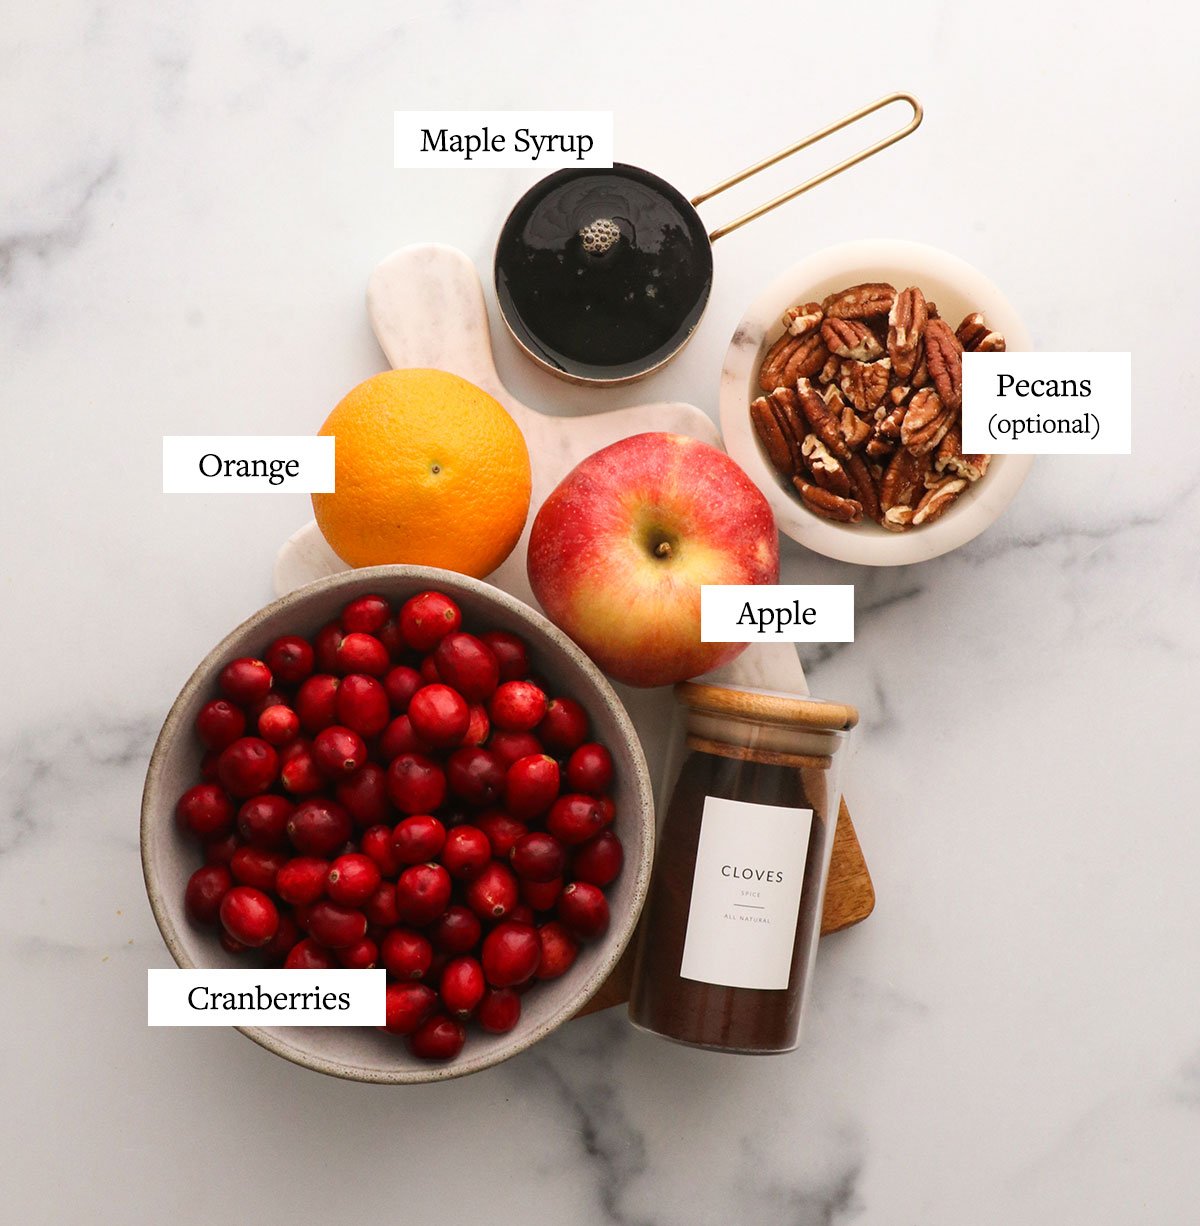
(741, 928)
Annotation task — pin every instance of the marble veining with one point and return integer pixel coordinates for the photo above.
(192, 204)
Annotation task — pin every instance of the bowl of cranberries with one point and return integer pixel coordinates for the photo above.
(404, 768)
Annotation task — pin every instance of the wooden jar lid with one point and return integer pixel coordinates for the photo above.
(767, 707)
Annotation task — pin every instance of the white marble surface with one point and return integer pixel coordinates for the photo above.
(193, 199)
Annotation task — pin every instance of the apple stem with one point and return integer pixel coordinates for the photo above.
(662, 549)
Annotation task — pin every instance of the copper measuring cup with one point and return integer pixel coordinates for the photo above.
(603, 274)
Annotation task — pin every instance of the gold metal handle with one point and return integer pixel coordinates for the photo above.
(853, 160)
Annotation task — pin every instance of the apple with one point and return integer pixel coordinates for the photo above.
(619, 551)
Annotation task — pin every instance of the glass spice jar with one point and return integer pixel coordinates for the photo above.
(729, 932)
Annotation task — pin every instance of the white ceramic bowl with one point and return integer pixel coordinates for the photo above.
(168, 858)
(957, 288)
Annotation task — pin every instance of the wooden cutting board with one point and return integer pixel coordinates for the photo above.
(427, 308)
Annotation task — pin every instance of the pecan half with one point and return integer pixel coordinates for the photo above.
(937, 498)
(944, 355)
(801, 320)
(860, 301)
(827, 504)
(865, 383)
(771, 435)
(906, 327)
(825, 422)
(826, 470)
(926, 422)
(851, 338)
(976, 337)
(950, 458)
(885, 436)
(866, 490)
(901, 480)
(805, 360)
(897, 519)
(770, 373)
(829, 371)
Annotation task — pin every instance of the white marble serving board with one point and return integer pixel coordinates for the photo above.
(426, 306)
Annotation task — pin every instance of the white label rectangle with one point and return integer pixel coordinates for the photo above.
(248, 464)
(1047, 403)
(777, 613)
(741, 930)
(544, 140)
(278, 997)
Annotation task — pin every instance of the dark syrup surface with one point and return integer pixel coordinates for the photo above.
(612, 312)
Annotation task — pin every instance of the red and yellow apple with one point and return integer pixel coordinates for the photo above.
(620, 549)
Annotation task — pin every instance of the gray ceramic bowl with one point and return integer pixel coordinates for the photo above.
(168, 858)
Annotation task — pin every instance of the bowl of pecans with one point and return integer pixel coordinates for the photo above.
(841, 396)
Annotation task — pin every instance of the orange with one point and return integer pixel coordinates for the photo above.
(429, 470)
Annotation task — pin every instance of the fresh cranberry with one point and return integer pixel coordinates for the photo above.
(466, 852)
(366, 614)
(510, 653)
(307, 955)
(290, 659)
(326, 642)
(331, 924)
(541, 895)
(338, 752)
(608, 809)
(440, 716)
(427, 670)
(418, 839)
(245, 680)
(205, 810)
(380, 909)
(302, 880)
(437, 1038)
(406, 954)
(510, 747)
(377, 843)
(361, 956)
(559, 949)
(426, 619)
(392, 637)
(599, 860)
(220, 851)
(319, 827)
(565, 727)
(531, 785)
(248, 766)
(262, 820)
(278, 724)
(510, 954)
(469, 665)
(538, 857)
(257, 867)
(502, 831)
(457, 931)
(219, 723)
(298, 772)
(584, 910)
(400, 684)
(353, 878)
(249, 916)
(462, 986)
(408, 1005)
(362, 705)
(590, 769)
(316, 702)
(479, 727)
(517, 706)
(499, 1011)
(422, 893)
(286, 936)
(364, 795)
(362, 653)
(205, 889)
(399, 737)
(493, 893)
(476, 775)
(575, 818)
(416, 783)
